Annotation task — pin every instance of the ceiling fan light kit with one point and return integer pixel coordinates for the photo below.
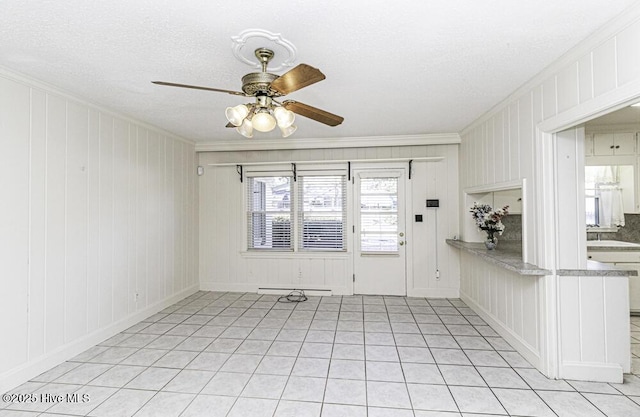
(288, 131)
(284, 117)
(235, 115)
(263, 121)
(246, 128)
(266, 113)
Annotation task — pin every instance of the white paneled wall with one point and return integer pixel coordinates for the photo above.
(591, 336)
(95, 209)
(516, 140)
(225, 264)
(508, 301)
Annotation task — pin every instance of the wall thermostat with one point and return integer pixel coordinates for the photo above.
(433, 203)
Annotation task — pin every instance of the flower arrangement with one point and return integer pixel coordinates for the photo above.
(489, 220)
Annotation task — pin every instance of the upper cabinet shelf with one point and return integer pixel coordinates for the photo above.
(610, 144)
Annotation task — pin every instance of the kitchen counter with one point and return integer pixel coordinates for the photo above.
(598, 269)
(509, 256)
(611, 246)
(506, 255)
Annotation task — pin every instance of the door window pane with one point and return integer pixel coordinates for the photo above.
(379, 214)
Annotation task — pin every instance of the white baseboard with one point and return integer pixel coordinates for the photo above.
(434, 292)
(592, 371)
(516, 342)
(21, 374)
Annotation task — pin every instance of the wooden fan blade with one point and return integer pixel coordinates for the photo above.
(299, 77)
(195, 87)
(312, 113)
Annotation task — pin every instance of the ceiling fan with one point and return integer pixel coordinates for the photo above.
(267, 112)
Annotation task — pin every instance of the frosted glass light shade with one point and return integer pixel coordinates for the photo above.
(263, 122)
(235, 115)
(288, 131)
(245, 129)
(284, 117)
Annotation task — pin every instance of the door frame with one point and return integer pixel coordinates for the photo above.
(408, 200)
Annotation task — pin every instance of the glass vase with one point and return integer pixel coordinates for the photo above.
(491, 244)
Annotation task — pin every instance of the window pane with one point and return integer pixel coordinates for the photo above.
(269, 212)
(322, 212)
(379, 214)
(379, 243)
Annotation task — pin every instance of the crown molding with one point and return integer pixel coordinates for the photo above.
(328, 143)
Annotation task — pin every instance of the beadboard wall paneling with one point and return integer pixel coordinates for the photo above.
(589, 309)
(601, 73)
(97, 208)
(224, 265)
(506, 300)
(14, 239)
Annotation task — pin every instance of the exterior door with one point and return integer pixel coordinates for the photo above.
(380, 239)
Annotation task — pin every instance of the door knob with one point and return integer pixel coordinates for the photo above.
(401, 243)
(401, 234)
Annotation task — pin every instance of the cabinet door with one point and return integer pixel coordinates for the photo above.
(603, 144)
(624, 143)
(588, 145)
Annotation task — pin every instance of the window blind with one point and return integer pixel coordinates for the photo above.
(379, 214)
(269, 212)
(322, 216)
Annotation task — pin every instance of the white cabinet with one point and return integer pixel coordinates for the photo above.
(622, 143)
(588, 145)
(627, 260)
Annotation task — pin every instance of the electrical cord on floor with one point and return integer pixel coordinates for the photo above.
(295, 296)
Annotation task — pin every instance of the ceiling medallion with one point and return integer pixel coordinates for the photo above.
(245, 44)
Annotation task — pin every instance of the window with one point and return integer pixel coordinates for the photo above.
(609, 193)
(269, 212)
(321, 212)
(320, 207)
(379, 214)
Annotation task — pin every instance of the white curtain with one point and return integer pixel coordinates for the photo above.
(611, 205)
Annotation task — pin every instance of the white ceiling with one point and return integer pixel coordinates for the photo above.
(392, 67)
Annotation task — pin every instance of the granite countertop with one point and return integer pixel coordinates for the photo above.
(611, 246)
(598, 269)
(508, 255)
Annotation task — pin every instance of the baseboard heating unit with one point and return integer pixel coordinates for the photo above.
(312, 292)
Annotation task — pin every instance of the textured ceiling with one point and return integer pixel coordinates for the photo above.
(392, 67)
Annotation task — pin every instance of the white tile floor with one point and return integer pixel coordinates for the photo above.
(246, 355)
